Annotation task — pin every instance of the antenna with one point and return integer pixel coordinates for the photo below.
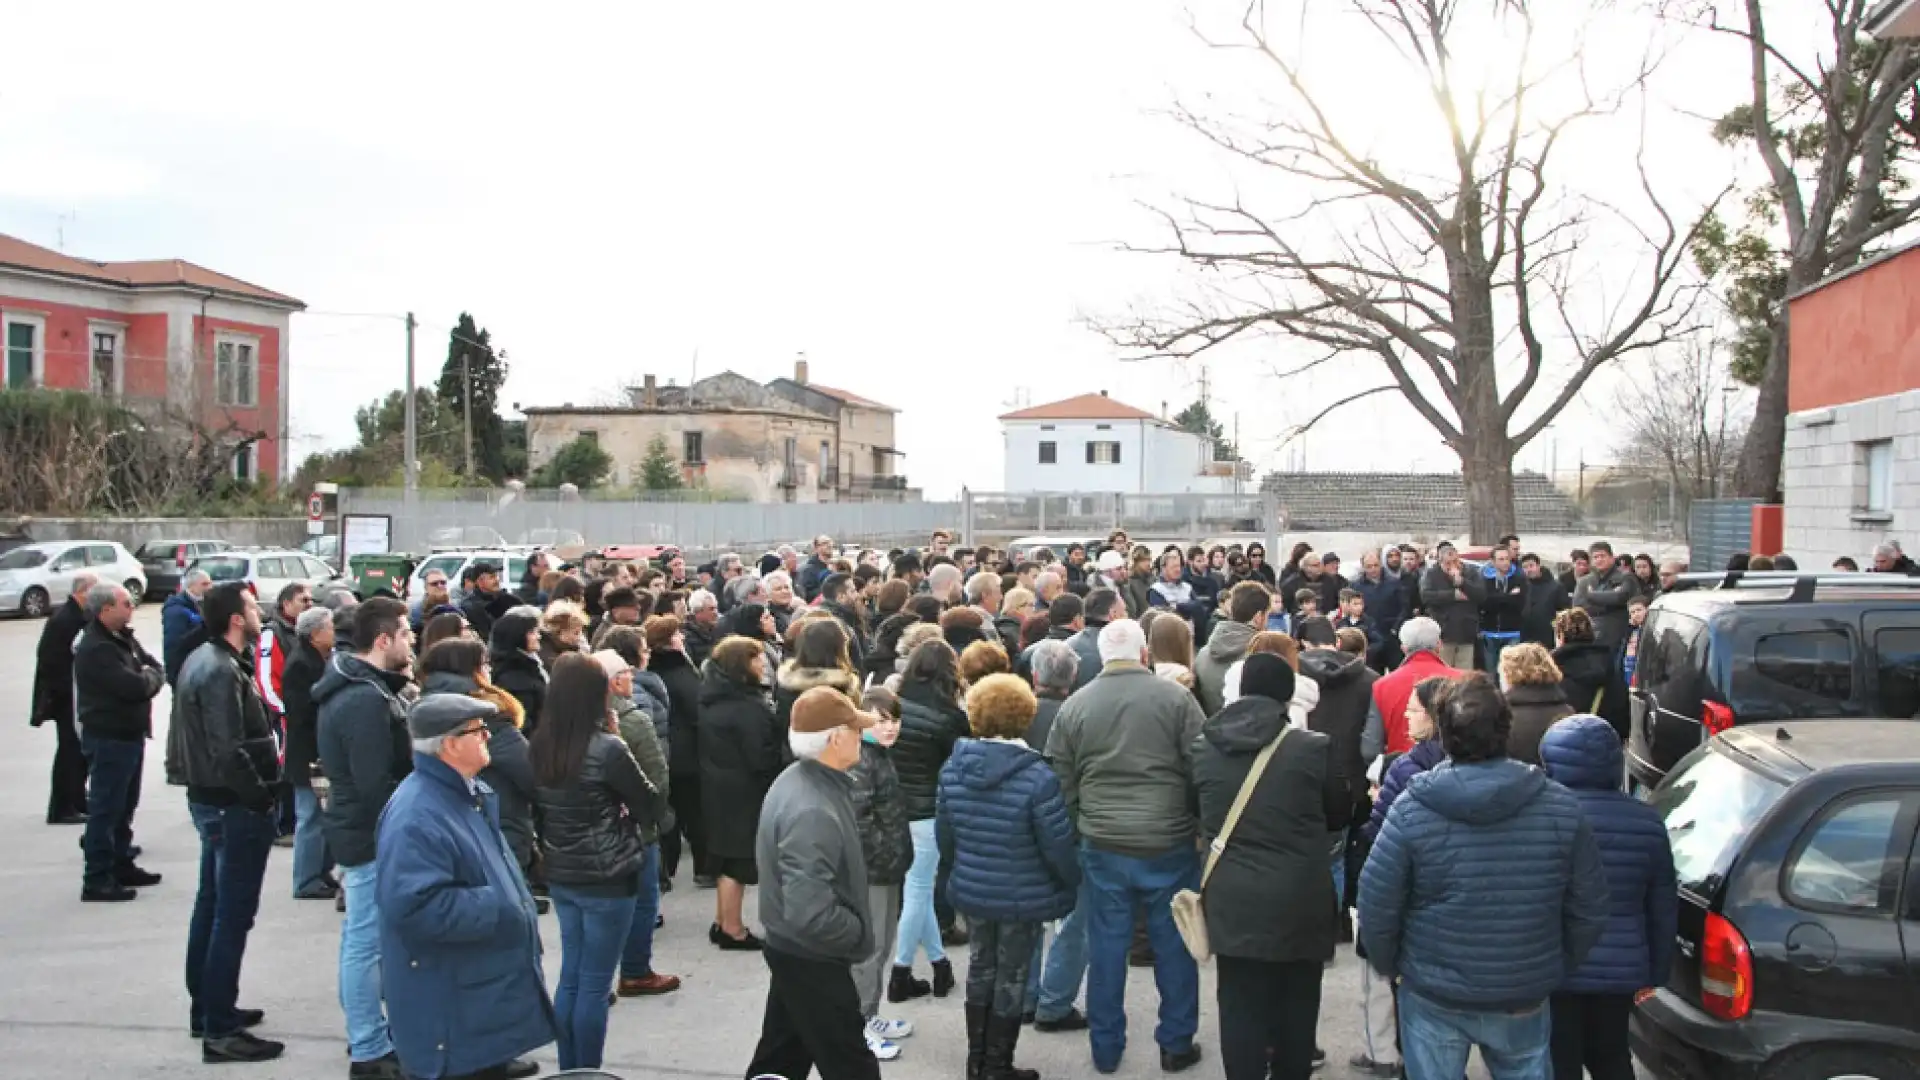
(60, 230)
(696, 376)
(1022, 397)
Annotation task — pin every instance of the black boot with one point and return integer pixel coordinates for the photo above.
(904, 987)
(976, 1039)
(1003, 1034)
(942, 978)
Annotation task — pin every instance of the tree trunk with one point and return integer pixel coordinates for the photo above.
(1758, 476)
(1487, 476)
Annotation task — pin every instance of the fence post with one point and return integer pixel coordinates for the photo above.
(1270, 522)
(966, 517)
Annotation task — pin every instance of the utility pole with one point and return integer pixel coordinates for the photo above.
(412, 465)
(466, 409)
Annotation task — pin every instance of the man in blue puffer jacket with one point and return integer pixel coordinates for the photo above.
(1484, 891)
(1016, 864)
(1591, 1009)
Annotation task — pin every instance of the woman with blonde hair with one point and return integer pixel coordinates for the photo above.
(1589, 678)
(1531, 681)
(1170, 644)
(563, 629)
(1015, 607)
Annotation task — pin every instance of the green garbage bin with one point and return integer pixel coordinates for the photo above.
(372, 573)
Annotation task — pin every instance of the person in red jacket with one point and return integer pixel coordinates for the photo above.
(1387, 720)
(278, 642)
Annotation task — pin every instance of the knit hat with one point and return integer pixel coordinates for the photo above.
(445, 714)
(1267, 676)
(823, 708)
(1109, 561)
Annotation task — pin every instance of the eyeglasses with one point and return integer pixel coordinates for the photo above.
(436, 583)
(481, 732)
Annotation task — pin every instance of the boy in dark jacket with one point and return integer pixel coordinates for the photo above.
(887, 844)
(1591, 1008)
(1015, 866)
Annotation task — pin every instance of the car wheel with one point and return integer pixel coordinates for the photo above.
(34, 604)
(1840, 1062)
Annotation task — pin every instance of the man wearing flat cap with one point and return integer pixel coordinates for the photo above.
(459, 942)
(813, 900)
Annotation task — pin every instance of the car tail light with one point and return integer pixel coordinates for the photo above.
(254, 591)
(180, 557)
(1715, 717)
(1726, 970)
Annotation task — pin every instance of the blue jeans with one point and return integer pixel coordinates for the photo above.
(636, 960)
(593, 931)
(113, 790)
(918, 925)
(234, 843)
(310, 860)
(1117, 885)
(1052, 989)
(1436, 1040)
(1337, 856)
(368, 1038)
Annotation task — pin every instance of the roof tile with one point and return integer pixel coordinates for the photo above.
(147, 273)
(1084, 407)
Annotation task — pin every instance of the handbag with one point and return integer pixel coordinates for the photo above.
(1189, 917)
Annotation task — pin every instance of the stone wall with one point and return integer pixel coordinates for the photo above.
(133, 532)
(1826, 478)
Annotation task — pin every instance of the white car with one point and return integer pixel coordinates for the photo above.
(35, 577)
(266, 572)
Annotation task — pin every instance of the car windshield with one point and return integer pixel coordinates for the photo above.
(157, 549)
(1709, 805)
(22, 559)
(223, 568)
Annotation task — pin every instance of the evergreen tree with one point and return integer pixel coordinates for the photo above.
(658, 470)
(476, 370)
(1198, 419)
(581, 463)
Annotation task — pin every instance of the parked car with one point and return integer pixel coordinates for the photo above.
(1757, 648)
(1799, 928)
(269, 570)
(35, 577)
(10, 539)
(325, 547)
(165, 562)
(451, 563)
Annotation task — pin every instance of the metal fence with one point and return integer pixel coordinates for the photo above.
(486, 517)
(996, 516)
(1718, 529)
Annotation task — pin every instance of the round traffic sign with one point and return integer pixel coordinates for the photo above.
(316, 507)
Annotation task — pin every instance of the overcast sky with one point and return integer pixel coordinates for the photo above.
(922, 198)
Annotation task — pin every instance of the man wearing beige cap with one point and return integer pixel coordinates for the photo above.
(813, 900)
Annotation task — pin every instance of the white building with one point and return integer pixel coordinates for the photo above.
(1093, 443)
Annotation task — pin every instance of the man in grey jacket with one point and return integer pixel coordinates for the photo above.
(813, 900)
(1246, 610)
(1604, 593)
(1103, 607)
(1123, 749)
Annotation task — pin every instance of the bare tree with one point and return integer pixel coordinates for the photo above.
(1679, 421)
(1449, 285)
(1833, 116)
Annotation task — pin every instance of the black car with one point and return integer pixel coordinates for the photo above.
(165, 562)
(1799, 928)
(1738, 649)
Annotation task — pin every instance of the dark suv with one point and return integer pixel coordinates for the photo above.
(1799, 927)
(1757, 648)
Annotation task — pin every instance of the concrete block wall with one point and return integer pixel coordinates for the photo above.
(133, 532)
(1825, 479)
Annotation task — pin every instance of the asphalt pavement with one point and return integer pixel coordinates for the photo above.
(94, 992)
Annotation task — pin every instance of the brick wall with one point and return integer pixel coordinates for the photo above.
(1826, 479)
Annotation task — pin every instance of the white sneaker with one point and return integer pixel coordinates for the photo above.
(881, 1027)
(882, 1049)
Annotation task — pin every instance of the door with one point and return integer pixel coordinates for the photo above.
(1840, 954)
(1893, 645)
(60, 573)
(105, 562)
(20, 346)
(270, 575)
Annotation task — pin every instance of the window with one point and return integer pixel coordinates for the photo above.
(106, 362)
(1046, 427)
(246, 463)
(590, 436)
(272, 569)
(690, 449)
(1852, 857)
(26, 355)
(223, 568)
(1709, 807)
(71, 559)
(826, 460)
(1103, 453)
(1103, 427)
(316, 568)
(102, 555)
(1049, 453)
(236, 373)
(1816, 662)
(1879, 457)
(1898, 649)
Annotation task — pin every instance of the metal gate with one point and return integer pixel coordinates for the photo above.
(1718, 529)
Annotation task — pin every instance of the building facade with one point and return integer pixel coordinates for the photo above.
(864, 461)
(1895, 19)
(1851, 475)
(1093, 443)
(154, 334)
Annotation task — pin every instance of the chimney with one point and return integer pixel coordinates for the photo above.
(800, 369)
(1103, 393)
(650, 395)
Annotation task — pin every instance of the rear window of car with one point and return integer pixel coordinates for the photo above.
(1672, 662)
(223, 568)
(158, 549)
(22, 559)
(1709, 805)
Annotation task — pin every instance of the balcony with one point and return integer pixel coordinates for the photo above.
(830, 477)
(878, 483)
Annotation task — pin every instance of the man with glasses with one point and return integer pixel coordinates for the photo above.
(454, 911)
(433, 595)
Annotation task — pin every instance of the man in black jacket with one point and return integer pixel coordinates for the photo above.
(314, 640)
(365, 752)
(221, 747)
(481, 602)
(839, 599)
(1545, 598)
(53, 700)
(113, 704)
(1452, 592)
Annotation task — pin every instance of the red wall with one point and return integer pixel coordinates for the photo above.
(266, 415)
(69, 346)
(1858, 337)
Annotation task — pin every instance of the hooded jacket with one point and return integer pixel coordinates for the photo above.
(1636, 948)
(510, 771)
(879, 660)
(1544, 599)
(886, 841)
(1270, 897)
(1504, 606)
(740, 755)
(929, 728)
(1346, 696)
(1227, 645)
(364, 749)
(1137, 592)
(650, 694)
(1591, 684)
(1123, 750)
(1485, 889)
(682, 681)
(794, 680)
(1535, 709)
(182, 630)
(1386, 601)
(1003, 823)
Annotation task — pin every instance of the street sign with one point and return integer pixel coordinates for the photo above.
(316, 514)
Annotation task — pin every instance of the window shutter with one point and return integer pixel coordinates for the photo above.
(1089, 453)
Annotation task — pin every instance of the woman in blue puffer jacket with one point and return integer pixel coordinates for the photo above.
(1591, 1009)
(1001, 816)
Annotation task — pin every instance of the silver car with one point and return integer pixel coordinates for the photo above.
(35, 577)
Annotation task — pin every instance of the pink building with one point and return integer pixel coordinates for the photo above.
(151, 332)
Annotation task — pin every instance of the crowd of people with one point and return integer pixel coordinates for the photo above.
(906, 751)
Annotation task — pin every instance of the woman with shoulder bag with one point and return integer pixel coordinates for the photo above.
(1267, 897)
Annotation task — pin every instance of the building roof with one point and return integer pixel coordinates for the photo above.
(1085, 407)
(1894, 18)
(141, 274)
(1900, 252)
(849, 398)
